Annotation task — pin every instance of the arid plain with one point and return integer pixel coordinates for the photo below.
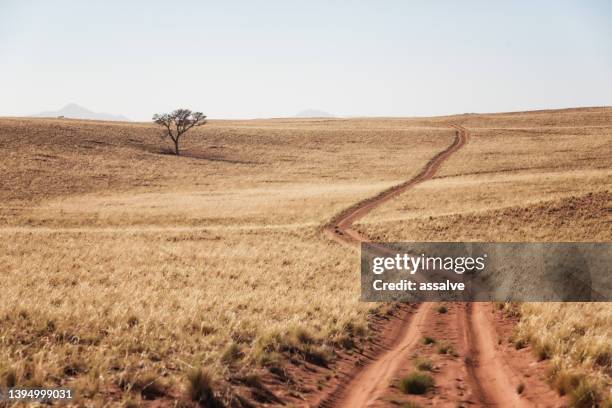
(138, 277)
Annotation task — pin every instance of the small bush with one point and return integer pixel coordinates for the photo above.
(585, 395)
(603, 358)
(429, 340)
(442, 309)
(424, 365)
(10, 378)
(150, 387)
(200, 388)
(520, 388)
(346, 342)
(354, 329)
(316, 355)
(446, 348)
(231, 354)
(416, 383)
(302, 336)
(520, 344)
(267, 359)
(148, 384)
(565, 381)
(132, 321)
(252, 380)
(543, 351)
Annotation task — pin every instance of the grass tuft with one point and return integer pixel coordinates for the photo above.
(200, 389)
(424, 365)
(447, 348)
(429, 340)
(585, 395)
(416, 383)
(231, 354)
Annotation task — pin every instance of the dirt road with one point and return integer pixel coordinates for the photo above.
(340, 228)
(489, 379)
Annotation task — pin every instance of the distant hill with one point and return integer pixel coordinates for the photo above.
(74, 111)
(313, 113)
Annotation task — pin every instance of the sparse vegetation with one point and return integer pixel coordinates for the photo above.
(416, 383)
(442, 309)
(576, 340)
(429, 340)
(232, 354)
(447, 348)
(520, 344)
(424, 365)
(200, 388)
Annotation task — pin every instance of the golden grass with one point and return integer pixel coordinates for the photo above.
(123, 264)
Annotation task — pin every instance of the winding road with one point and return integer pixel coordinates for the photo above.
(490, 380)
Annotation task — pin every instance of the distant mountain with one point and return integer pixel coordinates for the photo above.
(74, 111)
(313, 113)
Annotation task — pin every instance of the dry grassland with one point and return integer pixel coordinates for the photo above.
(125, 269)
(541, 176)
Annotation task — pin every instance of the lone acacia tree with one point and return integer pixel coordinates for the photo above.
(179, 122)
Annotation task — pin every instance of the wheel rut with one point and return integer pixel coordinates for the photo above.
(489, 380)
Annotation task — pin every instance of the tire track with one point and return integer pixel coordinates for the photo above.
(373, 379)
(491, 380)
(340, 228)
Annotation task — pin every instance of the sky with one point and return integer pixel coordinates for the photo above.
(250, 59)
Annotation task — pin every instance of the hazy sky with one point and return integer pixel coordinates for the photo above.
(245, 59)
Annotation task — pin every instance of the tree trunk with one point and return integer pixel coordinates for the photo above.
(176, 147)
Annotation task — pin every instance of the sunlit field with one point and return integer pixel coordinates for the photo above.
(128, 269)
(131, 274)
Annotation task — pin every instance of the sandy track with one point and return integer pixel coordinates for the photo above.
(495, 381)
(491, 381)
(373, 379)
(340, 228)
(372, 382)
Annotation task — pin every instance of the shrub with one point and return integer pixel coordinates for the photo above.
(447, 349)
(442, 309)
(10, 378)
(520, 344)
(200, 388)
(565, 381)
(302, 336)
(424, 365)
(520, 388)
(585, 395)
(542, 350)
(416, 383)
(148, 384)
(316, 355)
(231, 354)
(150, 387)
(429, 340)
